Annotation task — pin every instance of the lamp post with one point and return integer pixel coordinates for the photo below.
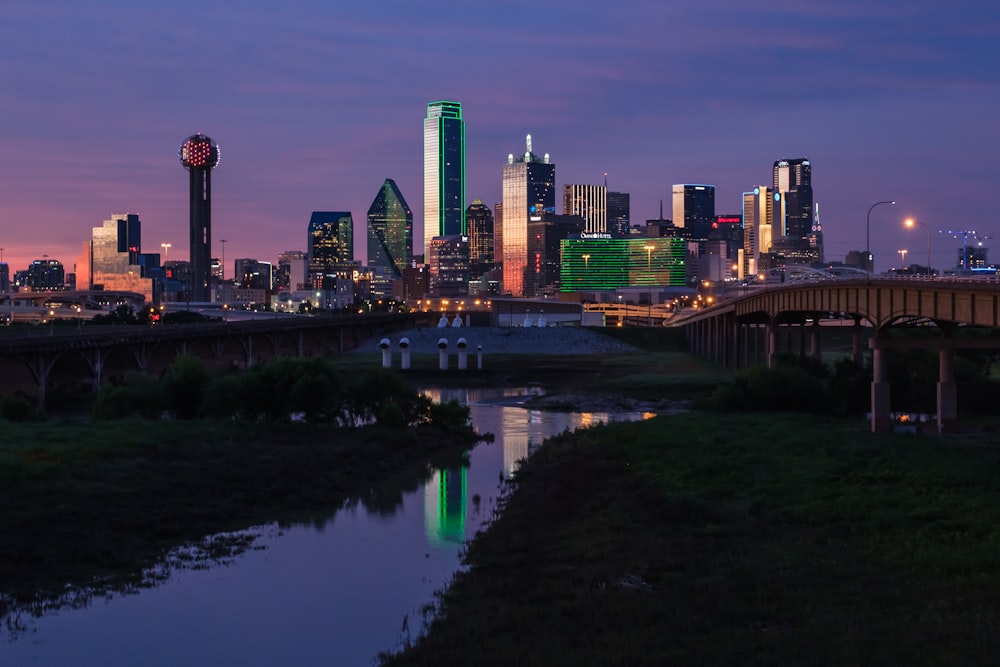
(223, 242)
(586, 260)
(649, 256)
(910, 222)
(166, 250)
(868, 231)
(902, 256)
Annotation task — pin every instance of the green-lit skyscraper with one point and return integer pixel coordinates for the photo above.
(390, 231)
(444, 171)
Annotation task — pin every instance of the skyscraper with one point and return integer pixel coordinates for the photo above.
(200, 155)
(330, 240)
(694, 210)
(758, 214)
(590, 202)
(619, 216)
(113, 257)
(390, 232)
(444, 171)
(529, 191)
(479, 219)
(792, 179)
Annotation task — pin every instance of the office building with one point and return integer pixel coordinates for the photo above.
(619, 214)
(253, 274)
(330, 240)
(528, 192)
(390, 231)
(4, 278)
(792, 179)
(113, 258)
(694, 210)
(45, 275)
(758, 217)
(479, 221)
(590, 202)
(545, 237)
(292, 271)
(448, 262)
(444, 171)
(200, 155)
(498, 235)
(610, 263)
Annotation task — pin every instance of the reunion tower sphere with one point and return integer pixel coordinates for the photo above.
(199, 152)
(200, 155)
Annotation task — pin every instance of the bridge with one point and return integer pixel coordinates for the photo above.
(75, 358)
(940, 314)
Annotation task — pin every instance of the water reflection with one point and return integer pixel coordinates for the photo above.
(335, 587)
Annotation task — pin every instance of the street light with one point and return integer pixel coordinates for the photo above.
(902, 256)
(649, 256)
(166, 250)
(586, 260)
(868, 230)
(910, 222)
(223, 242)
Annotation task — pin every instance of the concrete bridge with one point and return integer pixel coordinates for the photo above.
(73, 359)
(940, 314)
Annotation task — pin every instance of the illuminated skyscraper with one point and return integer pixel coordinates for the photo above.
(529, 191)
(330, 240)
(590, 202)
(479, 219)
(113, 257)
(444, 171)
(200, 155)
(694, 210)
(758, 215)
(792, 179)
(390, 231)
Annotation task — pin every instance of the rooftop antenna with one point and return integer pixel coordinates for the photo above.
(605, 180)
(529, 144)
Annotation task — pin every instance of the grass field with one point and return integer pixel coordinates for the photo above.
(733, 539)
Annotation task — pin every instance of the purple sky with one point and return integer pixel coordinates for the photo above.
(315, 103)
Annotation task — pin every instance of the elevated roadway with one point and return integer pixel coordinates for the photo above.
(950, 314)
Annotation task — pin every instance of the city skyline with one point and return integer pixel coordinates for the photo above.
(316, 106)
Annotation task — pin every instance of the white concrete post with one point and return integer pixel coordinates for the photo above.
(404, 354)
(386, 353)
(443, 354)
(463, 355)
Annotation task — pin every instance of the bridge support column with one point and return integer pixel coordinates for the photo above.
(881, 419)
(856, 343)
(772, 344)
(814, 350)
(947, 391)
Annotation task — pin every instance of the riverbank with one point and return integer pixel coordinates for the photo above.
(93, 506)
(733, 539)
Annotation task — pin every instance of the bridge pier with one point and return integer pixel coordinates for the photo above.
(772, 343)
(814, 350)
(947, 391)
(881, 397)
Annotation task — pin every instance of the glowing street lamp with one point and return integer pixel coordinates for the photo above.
(868, 228)
(166, 249)
(910, 222)
(902, 256)
(586, 260)
(649, 256)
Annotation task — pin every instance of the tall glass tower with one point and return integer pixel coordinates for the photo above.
(694, 209)
(529, 191)
(793, 180)
(200, 155)
(444, 171)
(331, 240)
(390, 231)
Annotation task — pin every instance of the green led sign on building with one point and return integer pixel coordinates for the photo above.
(594, 262)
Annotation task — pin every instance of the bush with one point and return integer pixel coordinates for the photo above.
(184, 386)
(139, 396)
(17, 408)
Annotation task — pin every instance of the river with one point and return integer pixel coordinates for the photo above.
(335, 591)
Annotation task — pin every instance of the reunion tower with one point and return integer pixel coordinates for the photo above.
(200, 155)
